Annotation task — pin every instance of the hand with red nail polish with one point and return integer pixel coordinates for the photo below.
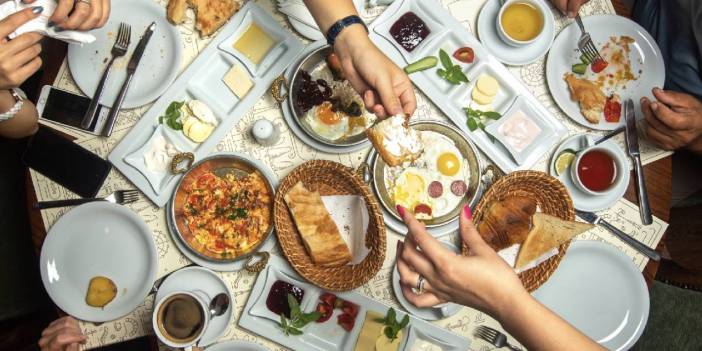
(481, 280)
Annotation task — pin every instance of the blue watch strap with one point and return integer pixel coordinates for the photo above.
(339, 25)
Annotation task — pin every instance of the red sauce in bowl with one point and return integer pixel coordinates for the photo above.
(597, 170)
(277, 301)
(409, 30)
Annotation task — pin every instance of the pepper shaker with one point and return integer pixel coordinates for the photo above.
(265, 132)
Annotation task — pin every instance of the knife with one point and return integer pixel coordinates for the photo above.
(131, 69)
(637, 245)
(632, 145)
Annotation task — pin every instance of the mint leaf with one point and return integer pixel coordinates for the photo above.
(390, 317)
(472, 124)
(295, 331)
(404, 323)
(445, 59)
(492, 115)
(294, 306)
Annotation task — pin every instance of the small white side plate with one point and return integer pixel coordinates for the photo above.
(511, 55)
(203, 279)
(98, 239)
(645, 56)
(600, 291)
(157, 68)
(581, 200)
(236, 346)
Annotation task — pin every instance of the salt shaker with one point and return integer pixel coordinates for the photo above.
(265, 132)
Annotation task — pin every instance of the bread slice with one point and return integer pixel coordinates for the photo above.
(176, 11)
(319, 233)
(546, 233)
(507, 222)
(395, 141)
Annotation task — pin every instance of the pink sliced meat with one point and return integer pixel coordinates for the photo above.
(435, 189)
(459, 187)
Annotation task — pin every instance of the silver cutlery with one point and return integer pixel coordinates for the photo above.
(497, 338)
(131, 69)
(120, 197)
(585, 44)
(219, 305)
(632, 146)
(602, 139)
(119, 49)
(635, 244)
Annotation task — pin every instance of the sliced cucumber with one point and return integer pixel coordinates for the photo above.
(424, 63)
(579, 68)
(584, 60)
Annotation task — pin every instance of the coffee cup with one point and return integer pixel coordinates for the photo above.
(181, 318)
(596, 170)
(521, 22)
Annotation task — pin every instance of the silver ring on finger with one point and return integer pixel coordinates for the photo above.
(420, 285)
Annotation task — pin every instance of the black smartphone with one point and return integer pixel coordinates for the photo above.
(66, 108)
(65, 162)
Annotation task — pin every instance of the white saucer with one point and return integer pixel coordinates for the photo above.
(428, 314)
(511, 55)
(599, 290)
(236, 345)
(581, 200)
(203, 279)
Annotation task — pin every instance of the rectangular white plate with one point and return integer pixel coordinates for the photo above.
(451, 99)
(202, 80)
(328, 335)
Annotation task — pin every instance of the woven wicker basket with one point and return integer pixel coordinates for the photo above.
(329, 178)
(551, 197)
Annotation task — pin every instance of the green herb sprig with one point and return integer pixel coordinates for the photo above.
(476, 118)
(298, 319)
(392, 326)
(452, 73)
(173, 113)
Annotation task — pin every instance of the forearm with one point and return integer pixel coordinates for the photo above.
(326, 12)
(538, 328)
(23, 124)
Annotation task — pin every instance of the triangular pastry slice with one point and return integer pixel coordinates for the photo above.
(546, 233)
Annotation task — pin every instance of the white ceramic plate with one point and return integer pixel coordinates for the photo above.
(428, 314)
(581, 200)
(645, 56)
(203, 279)
(157, 68)
(511, 55)
(236, 346)
(600, 291)
(98, 239)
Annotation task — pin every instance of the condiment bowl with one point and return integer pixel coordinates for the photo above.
(620, 166)
(501, 30)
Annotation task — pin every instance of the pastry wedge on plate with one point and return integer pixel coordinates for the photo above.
(590, 97)
(546, 233)
(210, 15)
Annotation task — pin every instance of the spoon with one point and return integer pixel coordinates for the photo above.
(604, 138)
(219, 305)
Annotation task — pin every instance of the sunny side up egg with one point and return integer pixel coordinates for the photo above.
(327, 123)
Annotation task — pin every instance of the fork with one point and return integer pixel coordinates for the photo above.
(119, 49)
(585, 44)
(494, 337)
(120, 197)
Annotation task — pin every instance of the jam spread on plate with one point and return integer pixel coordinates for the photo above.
(277, 301)
(409, 30)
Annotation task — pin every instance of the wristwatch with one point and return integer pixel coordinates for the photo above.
(19, 101)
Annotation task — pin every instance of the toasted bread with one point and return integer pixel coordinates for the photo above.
(176, 11)
(212, 14)
(547, 232)
(590, 97)
(395, 141)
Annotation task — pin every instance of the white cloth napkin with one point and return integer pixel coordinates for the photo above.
(297, 10)
(510, 256)
(351, 217)
(40, 24)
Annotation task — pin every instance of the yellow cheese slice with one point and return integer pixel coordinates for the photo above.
(189, 121)
(369, 332)
(481, 98)
(238, 81)
(199, 131)
(385, 344)
(487, 85)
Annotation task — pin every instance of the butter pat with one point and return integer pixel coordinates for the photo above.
(485, 89)
(370, 332)
(237, 80)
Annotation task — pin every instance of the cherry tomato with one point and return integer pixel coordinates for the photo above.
(346, 321)
(612, 111)
(464, 54)
(328, 299)
(598, 65)
(350, 308)
(422, 208)
(325, 312)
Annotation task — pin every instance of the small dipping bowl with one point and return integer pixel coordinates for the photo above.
(516, 42)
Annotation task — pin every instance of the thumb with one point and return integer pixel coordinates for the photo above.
(672, 98)
(469, 234)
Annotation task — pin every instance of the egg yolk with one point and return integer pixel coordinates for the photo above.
(326, 115)
(408, 190)
(448, 164)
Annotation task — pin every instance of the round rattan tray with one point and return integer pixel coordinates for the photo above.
(329, 178)
(551, 197)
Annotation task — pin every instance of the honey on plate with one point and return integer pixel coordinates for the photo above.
(522, 21)
(254, 43)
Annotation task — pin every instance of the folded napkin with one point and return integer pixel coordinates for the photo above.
(40, 24)
(297, 10)
(351, 217)
(510, 256)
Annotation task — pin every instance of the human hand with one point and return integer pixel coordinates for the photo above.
(19, 57)
(385, 88)
(482, 280)
(79, 14)
(62, 334)
(674, 121)
(569, 8)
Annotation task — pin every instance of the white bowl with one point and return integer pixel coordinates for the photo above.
(620, 164)
(514, 42)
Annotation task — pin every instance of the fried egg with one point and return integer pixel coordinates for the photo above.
(410, 188)
(328, 124)
(440, 154)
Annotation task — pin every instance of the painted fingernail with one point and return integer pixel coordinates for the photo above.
(37, 9)
(467, 212)
(398, 250)
(654, 106)
(401, 211)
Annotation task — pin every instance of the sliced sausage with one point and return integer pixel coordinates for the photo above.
(436, 189)
(459, 187)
